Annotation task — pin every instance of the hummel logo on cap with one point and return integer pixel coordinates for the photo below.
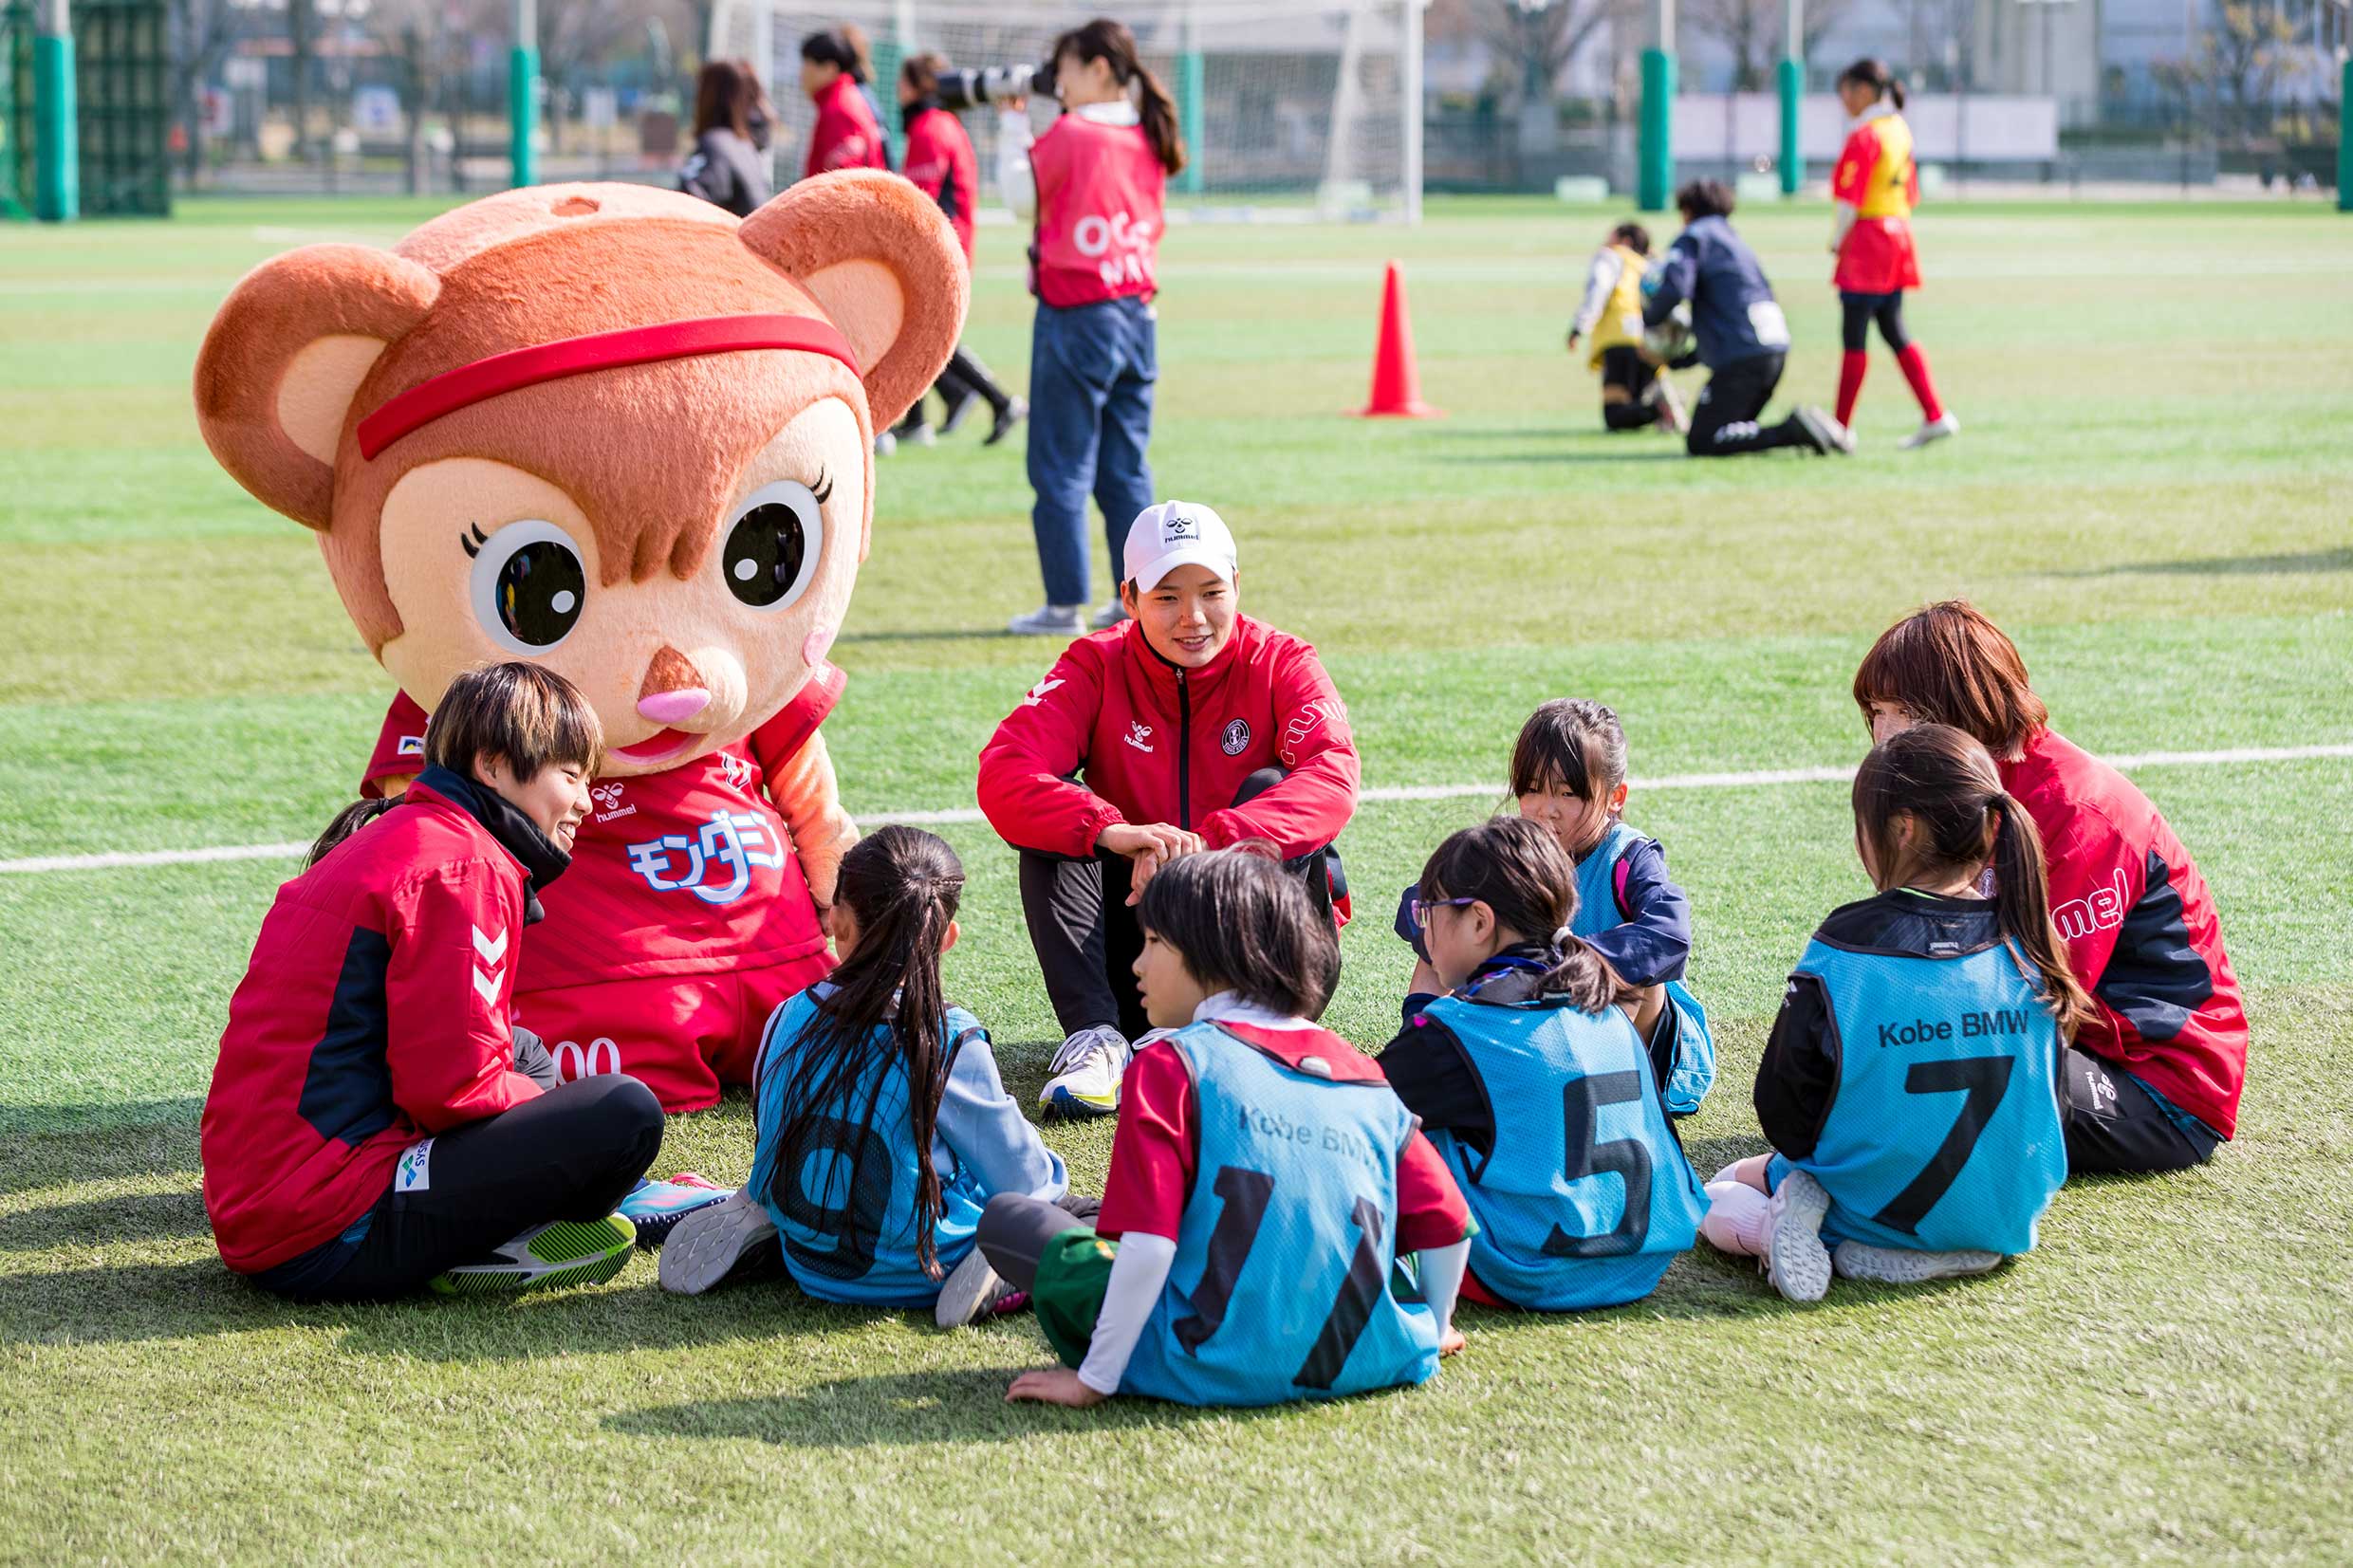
(1179, 527)
(1173, 534)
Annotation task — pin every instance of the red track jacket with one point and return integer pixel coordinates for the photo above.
(374, 1013)
(845, 135)
(2141, 931)
(940, 162)
(1160, 745)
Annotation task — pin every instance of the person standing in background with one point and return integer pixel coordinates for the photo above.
(1873, 191)
(728, 166)
(846, 135)
(940, 162)
(1093, 187)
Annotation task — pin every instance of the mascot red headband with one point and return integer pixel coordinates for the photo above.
(636, 346)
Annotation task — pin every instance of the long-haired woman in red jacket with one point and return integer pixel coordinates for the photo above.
(846, 135)
(371, 1125)
(942, 163)
(1187, 727)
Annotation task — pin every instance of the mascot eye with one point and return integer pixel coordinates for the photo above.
(528, 586)
(772, 545)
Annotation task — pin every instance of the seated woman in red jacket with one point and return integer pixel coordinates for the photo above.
(367, 1130)
(2153, 1081)
(1188, 727)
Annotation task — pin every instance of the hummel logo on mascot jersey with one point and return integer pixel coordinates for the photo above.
(489, 954)
(1139, 736)
(1236, 737)
(714, 864)
(2095, 910)
(609, 808)
(1037, 692)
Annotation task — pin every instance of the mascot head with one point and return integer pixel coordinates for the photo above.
(606, 427)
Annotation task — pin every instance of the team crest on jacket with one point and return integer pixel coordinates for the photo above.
(1236, 737)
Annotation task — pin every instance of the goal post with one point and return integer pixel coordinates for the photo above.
(1288, 108)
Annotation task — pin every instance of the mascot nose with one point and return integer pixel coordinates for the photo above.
(672, 691)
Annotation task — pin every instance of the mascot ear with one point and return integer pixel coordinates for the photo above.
(290, 347)
(880, 257)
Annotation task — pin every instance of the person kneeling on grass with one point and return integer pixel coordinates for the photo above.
(1263, 1180)
(883, 1126)
(1533, 1078)
(1194, 728)
(1911, 1084)
(366, 1130)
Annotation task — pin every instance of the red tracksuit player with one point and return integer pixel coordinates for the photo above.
(366, 1130)
(846, 135)
(1194, 728)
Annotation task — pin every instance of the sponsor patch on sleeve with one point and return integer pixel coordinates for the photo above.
(414, 1172)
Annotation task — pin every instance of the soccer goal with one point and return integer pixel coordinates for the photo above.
(1307, 108)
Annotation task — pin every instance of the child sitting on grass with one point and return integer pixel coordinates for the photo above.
(1911, 1084)
(883, 1126)
(1635, 390)
(1568, 770)
(1263, 1180)
(1531, 1079)
(366, 1132)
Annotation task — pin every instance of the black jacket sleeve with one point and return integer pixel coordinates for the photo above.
(1426, 1065)
(1798, 1077)
(1654, 942)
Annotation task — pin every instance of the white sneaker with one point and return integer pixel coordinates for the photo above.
(885, 444)
(1086, 1072)
(1671, 415)
(1109, 616)
(711, 1243)
(1934, 429)
(972, 1288)
(1053, 620)
(914, 435)
(1795, 1260)
(1897, 1266)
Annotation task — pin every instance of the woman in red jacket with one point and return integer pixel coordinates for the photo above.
(942, 163)
(367, 1130)
(846, 135)
(1188, 727)
(2153, 1081)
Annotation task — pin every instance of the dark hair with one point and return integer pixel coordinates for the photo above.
(843, 46)
(903, 885)
(1948, 664)
(1579, 740)
(526, 715)
(725, 94)
(1946, 783)
(921, 72)
(1875, 75)
(1242, 923)
(1704, 198)
(346, 822)
(1636, 237)
(1106, 39)
(1520, 870)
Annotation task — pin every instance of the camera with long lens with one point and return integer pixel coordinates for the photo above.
(960, 90)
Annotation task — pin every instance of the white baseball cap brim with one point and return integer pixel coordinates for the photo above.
(1173, 534)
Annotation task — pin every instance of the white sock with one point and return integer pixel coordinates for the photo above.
(1735, 1219)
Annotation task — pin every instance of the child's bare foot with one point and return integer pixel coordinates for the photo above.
(1453, 1341)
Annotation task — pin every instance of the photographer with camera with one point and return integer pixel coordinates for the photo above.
(1092, 186)
(940, 162)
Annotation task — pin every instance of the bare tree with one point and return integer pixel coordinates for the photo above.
(1537, 39)
(1750, 32)
(2237, 69)
(202, 33)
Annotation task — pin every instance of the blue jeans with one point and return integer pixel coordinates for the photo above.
(1091, 370)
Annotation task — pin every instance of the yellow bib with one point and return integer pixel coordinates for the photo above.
(1620, 325)
(1888, 194)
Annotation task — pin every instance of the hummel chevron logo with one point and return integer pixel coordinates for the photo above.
(1037, 693)
(490, 952)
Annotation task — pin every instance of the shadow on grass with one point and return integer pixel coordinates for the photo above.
(1662, 454)
(53, 1145)
(2340, 560)
(139, 1217)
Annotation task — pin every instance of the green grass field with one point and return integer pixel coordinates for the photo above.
(2152, 493)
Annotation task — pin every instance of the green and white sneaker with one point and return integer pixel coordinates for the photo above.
(1897, 1266)
(569, 1252)
(1795, 1260)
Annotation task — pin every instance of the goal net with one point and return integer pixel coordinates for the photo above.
(1306, 107)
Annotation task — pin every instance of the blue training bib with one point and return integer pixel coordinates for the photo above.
(1280, 1289)
(1598, 910)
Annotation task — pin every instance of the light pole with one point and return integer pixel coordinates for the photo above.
(1793, 92)
(1654, 177)
(523, 95)
(57, 155)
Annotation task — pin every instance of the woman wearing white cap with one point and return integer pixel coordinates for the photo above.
(1189, 726)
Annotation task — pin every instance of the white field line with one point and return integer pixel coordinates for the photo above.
(1765, 778)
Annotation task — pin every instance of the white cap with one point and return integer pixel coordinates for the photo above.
(1173, 534)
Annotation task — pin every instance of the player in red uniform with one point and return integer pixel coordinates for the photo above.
(942, 163)
(1873, 189)
(2154, 1078)
(846, 135)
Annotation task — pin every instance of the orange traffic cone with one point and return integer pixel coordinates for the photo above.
(1397, 387)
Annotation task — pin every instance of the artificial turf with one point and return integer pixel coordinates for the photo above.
(2152, 493)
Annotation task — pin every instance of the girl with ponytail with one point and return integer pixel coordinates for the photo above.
(1912, 1085)
(1873, 190)
(883, 1126)
(1533, 1078)
(1093, 185)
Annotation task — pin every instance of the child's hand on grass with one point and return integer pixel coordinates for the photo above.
(1054, 1386)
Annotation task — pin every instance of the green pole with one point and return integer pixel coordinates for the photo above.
(57, 155)
(1189, 116)
(1792, 89)
(1655, 180)
(523, 95)
(2345, 139)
